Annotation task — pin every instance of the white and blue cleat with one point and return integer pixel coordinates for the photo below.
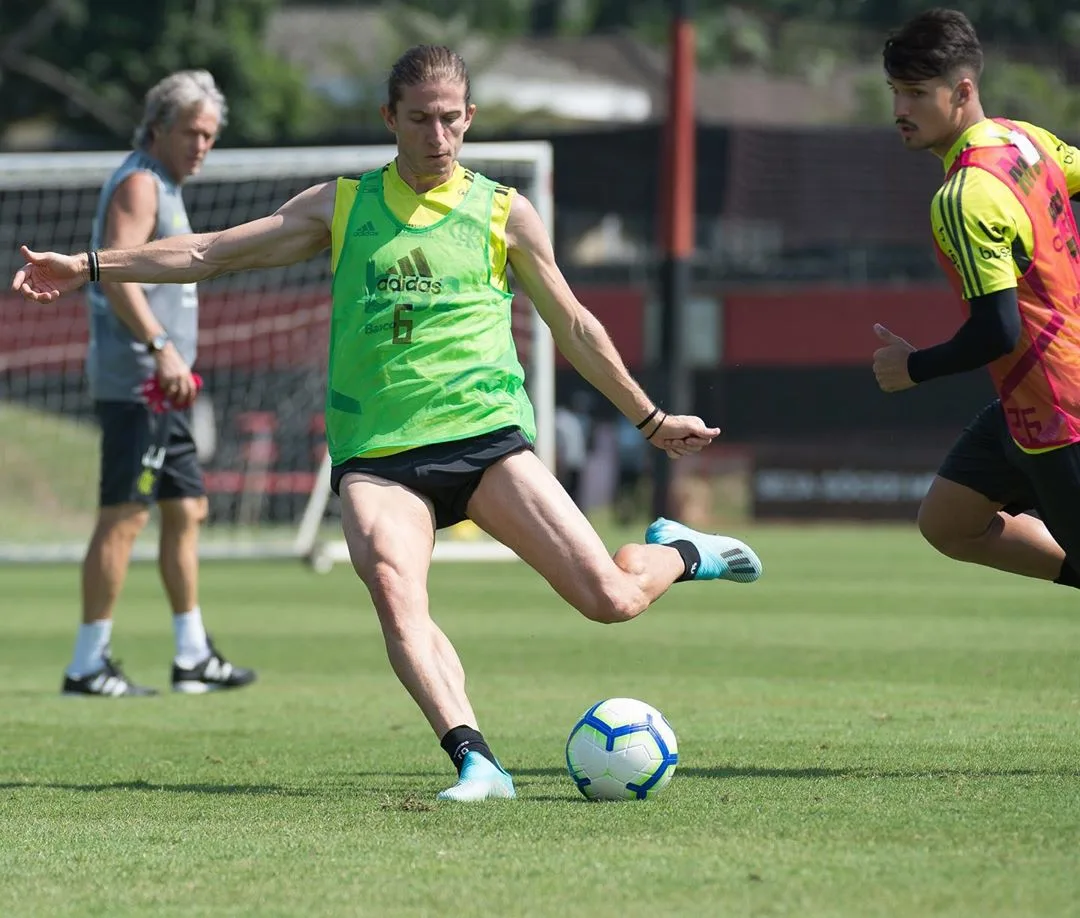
(480, 779)
(722, 557)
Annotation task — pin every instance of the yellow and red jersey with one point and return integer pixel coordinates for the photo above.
(1003, 219)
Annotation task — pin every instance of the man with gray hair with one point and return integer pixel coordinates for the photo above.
(141, 333)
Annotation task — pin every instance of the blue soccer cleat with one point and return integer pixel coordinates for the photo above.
(722, 557)
(480, 780)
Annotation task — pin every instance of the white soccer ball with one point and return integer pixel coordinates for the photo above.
(621, 749)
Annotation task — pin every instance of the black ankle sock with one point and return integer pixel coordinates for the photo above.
(459, 740)
(690, 555)
(1068, 576)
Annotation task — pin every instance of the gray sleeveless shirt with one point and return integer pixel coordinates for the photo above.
(117, 363)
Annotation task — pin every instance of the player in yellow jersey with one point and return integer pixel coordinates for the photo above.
(1008, 241)
(427, 418)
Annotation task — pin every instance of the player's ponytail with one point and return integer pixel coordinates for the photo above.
(426, 64)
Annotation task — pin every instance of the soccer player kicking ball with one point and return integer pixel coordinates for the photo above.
(427, 418)
(1008, 241)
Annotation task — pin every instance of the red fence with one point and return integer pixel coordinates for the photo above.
(794, 326)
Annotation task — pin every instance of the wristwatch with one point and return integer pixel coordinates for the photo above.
(156, 343)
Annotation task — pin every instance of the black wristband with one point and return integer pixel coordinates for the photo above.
(659, 424)
(652, 414)
(95, 270)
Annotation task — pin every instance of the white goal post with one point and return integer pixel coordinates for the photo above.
(262, 352)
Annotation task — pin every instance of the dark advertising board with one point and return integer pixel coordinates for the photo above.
(836, 483)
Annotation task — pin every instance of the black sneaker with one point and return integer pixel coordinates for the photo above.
(212, 675)
(107, 682)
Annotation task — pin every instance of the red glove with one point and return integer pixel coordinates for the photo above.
(157, 401)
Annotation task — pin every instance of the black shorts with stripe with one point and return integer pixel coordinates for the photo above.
(146, 457)
(986, 459)
(446, 474)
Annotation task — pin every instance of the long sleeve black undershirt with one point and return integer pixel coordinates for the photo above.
(991, 331)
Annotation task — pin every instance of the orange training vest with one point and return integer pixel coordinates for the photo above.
(1039, 381)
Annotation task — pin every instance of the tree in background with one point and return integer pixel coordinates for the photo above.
(86, 65)
(81, 67)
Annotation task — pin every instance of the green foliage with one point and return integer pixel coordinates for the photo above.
(85, 64)
(505, 17)
(1032, 93)
(734, 36)
(1031, 21)
(43, 494)
(88, 63)
(873, 99)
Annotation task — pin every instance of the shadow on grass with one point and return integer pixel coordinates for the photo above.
(722, 772)
(239, 790)
(871, 773)
(553, 798)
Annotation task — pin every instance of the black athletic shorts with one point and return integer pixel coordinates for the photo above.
(146, 457)
(986, 459)
(447, 474)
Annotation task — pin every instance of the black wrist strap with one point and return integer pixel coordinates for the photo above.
(659, 424)
(95, 270)
(652, 414)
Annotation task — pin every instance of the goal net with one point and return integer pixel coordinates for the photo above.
(262, 354)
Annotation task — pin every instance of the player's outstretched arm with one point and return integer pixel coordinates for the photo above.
(299, 229)
(583, 340)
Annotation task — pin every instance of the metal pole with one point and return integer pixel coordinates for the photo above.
(677, 206)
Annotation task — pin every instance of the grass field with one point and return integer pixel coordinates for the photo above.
(44, 495)
(871, 730)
